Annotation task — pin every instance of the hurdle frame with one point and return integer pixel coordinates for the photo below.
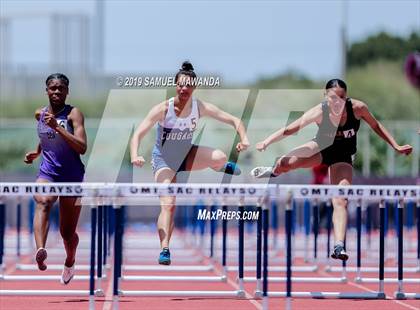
(291, 190)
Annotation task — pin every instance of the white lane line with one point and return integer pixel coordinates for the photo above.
(321, 272)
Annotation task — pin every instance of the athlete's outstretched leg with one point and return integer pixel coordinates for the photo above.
(341, 174)
(304, 156)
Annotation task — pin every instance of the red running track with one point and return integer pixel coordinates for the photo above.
(181, 303)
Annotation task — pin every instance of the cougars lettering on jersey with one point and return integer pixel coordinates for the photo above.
(176, 135)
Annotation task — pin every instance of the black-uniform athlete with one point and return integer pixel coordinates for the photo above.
(338, 118)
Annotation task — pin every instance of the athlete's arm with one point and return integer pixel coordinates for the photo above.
(361, 111)
(32, 155)
(210, 110)
(77, 140)
(156, 113)
(310, 116)
(38, 114)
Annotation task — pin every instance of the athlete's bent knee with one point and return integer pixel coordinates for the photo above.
(219, 158)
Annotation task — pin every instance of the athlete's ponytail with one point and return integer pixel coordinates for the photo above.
(186, 69)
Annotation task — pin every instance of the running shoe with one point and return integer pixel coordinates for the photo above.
(262, 172)
(231, 168)
(339, 253)
(67, 274)
(165, 257)
(40, 257)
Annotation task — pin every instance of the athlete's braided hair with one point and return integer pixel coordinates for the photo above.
(58, 76)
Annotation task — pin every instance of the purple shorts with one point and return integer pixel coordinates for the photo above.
(59, 178)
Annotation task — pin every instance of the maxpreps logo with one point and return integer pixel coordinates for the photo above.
(219, 214)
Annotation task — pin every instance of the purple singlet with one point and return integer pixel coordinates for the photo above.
(60, 163)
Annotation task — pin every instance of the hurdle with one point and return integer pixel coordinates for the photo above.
(235, 193)
(91, 292)
(91, 277)
(359, 269)
(378, 295)
(258, 293)
(33, 267)
(2, 232)
(118, 277)
(273, 254)
(84, 267)
(289, 294)
(143, 278)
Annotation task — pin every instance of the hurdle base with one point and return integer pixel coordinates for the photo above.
(312, 268)
(133, 293)
(388, 280)
(370, 269)
(288, 305)
(240, 294)
(56, 267)
(43, 278)
(401, 295)
(99, 293)
(44, 293)
(300, 280)
(265, 303)
(329, 295)
(91, 302)
(258, 294)
(176, 278)
(115, 303)
(168, 268)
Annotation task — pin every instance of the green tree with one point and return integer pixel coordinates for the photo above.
(382, 46)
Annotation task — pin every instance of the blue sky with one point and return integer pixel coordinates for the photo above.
(240, 40)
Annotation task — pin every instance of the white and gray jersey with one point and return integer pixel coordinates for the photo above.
(175, 134)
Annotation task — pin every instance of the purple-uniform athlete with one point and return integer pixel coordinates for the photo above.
(62, 140)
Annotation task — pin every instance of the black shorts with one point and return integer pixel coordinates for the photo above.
(332, 155)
